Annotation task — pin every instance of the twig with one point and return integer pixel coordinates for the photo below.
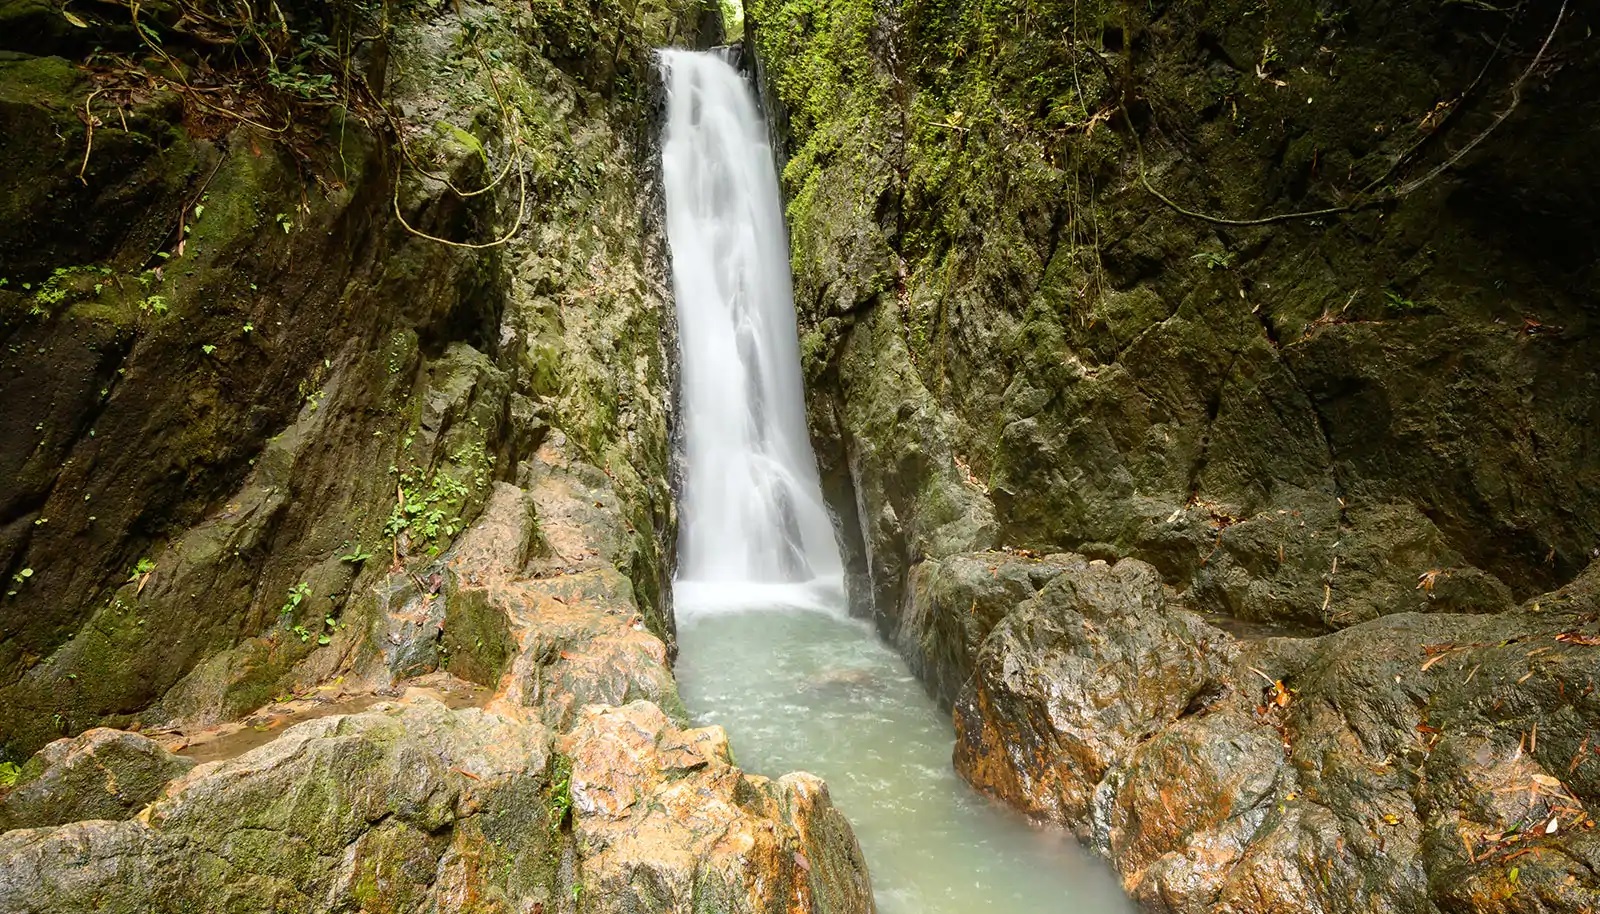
(1405, 157)
(522, 207)
(196, 199)
(1144, 179)
(88, 141)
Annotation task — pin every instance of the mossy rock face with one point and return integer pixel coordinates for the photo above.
(384, 809)
(238, 384)
(1376, 421)
(970, 220)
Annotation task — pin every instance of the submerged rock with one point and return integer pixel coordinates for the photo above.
(98, 774)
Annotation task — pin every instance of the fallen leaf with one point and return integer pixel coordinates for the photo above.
(1434, 659)
(1426, 580)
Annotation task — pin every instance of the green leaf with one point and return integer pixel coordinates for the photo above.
(75, 20)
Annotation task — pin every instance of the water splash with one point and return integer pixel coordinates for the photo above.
(752, 511)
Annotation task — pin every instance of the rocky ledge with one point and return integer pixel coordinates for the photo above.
(1417, 762)
(579, 786)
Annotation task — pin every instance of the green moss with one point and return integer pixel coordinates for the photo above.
(50, 82)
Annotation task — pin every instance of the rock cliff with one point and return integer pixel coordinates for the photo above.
(339, 371)
(1165, 352)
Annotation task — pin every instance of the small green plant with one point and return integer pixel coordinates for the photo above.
(140, 569)
(1213, 260)
(285, 223)
(423, 511)
(154, 304)
(297, 595)
(248, 328)
(207, 348)
(560, 792)
(55, 290)
(356, 555)
(9, 772)
(19, 579)
(1400, 303)
(330, 626)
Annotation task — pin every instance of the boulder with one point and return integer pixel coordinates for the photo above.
(953, 603)
(1073, 679)
(98, 774)
(1417, 762)
(660, 812)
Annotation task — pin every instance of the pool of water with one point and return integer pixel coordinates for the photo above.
(802, 690)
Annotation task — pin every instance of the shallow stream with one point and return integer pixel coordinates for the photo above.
(811, 691)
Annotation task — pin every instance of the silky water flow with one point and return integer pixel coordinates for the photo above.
(767, 649)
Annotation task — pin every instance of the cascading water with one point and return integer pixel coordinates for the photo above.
(798, 688)
(752, 508)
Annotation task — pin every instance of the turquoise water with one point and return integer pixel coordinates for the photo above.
(811, 691)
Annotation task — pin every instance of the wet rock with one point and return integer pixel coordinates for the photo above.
(582, 641)
(1187, 804)
(1072, 680)
(414, 806)
(953, 603)
(662, 813)
(1415, 762)
(99, 774)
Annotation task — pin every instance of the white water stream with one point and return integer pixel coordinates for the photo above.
(766, 647)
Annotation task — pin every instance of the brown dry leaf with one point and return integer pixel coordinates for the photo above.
(1579, 638)
(1280, 694)
(1426, 580)
(1434, 659)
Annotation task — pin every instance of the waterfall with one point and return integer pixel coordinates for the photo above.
(753, 528)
